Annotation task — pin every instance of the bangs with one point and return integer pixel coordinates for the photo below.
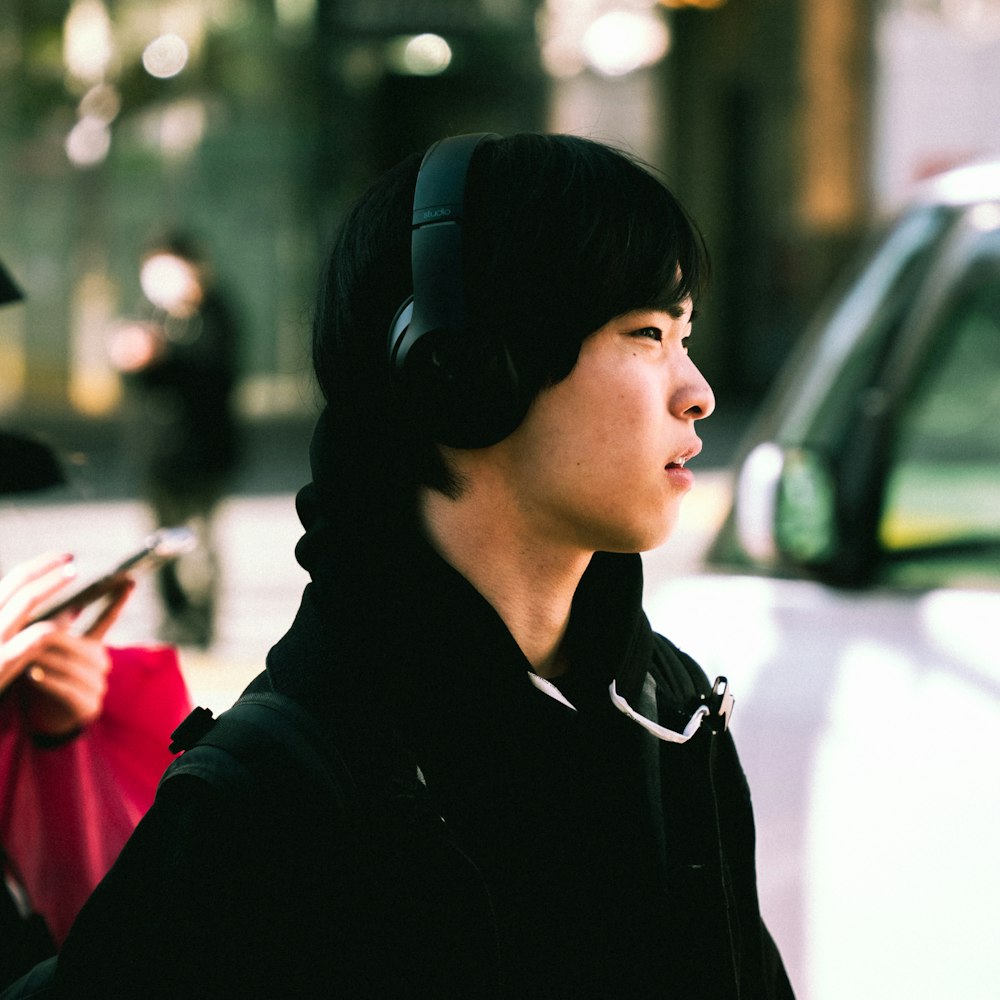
(565, 234)
(640, 249)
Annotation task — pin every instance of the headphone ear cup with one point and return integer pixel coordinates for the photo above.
(463, 389)
(481, 401)
(465, 392)
(400, 340)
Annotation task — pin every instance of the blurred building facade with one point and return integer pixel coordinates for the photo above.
(783, 124)
(249, 123)
(772, 100)
(798, 125)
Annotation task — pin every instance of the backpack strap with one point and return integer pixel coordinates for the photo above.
(223, 750)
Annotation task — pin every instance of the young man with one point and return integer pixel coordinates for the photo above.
(533, 796)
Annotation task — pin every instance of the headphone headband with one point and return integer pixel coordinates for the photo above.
(438, 300)
(463, 389)
(439, 196)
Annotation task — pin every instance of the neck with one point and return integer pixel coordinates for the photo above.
(528, 580)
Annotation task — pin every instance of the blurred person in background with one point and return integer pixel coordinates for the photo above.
(180, 369)
(530, 795)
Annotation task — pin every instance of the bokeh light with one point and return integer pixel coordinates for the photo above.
(88, 142)
(88, 42)
(610, 37)
(171, 284)
(182, 126)
(623, 41)
(165, 56)
(419, 55)
(102, 101)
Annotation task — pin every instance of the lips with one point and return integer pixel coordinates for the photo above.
(679, 460)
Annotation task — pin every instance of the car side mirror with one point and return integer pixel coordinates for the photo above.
(785, 507)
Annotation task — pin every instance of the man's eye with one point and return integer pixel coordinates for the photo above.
(651, 332)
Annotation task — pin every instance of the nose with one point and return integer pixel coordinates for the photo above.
(693, 398)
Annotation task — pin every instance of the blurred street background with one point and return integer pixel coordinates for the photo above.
(261, 583)
(789, 128)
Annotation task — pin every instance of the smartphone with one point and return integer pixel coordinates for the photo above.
(160, 547)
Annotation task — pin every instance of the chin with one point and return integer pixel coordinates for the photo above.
(659, 534)
(641, 539)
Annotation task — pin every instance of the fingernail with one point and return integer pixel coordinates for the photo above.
(36, 673)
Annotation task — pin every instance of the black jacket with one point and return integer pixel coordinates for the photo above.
(490, 841)
(182, 403)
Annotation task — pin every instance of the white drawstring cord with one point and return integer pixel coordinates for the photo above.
(660, 732)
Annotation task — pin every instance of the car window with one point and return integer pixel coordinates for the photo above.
(941, 517)
(848, 355)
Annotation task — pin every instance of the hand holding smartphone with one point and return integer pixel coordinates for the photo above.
(159, 548)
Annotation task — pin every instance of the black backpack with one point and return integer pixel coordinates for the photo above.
(222, 751)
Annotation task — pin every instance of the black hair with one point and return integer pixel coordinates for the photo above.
(565, 234)
(561, 235)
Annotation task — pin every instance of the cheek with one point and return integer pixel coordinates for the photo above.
(630, 416)
(617, 439)
(603, 429)
(599, 422)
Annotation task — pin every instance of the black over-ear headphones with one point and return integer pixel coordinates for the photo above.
(462, 386)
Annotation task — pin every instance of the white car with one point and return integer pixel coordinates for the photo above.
(852, 599)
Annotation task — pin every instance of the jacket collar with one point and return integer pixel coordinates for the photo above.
(402, 636)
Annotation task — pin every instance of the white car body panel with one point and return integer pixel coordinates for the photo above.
(868, 726)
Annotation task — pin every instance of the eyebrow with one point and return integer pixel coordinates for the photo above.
(677, 311)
